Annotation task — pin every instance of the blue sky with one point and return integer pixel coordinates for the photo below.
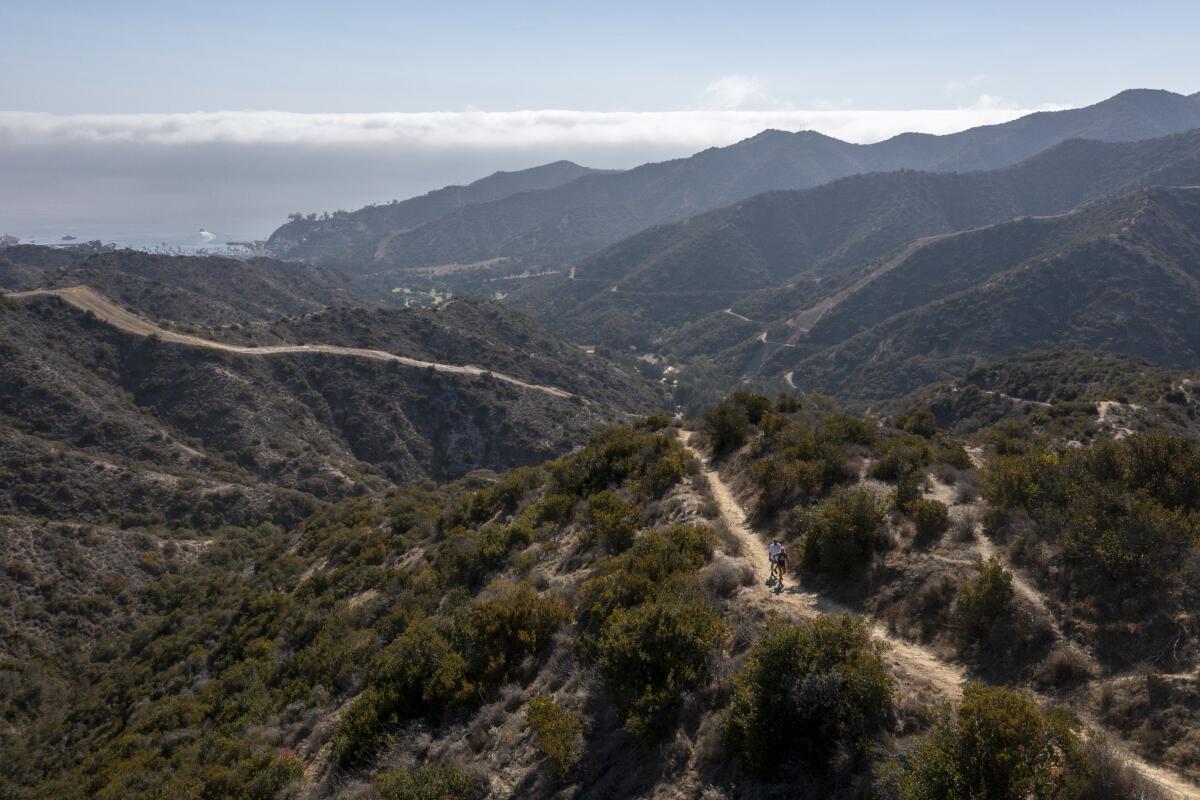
(167, 56)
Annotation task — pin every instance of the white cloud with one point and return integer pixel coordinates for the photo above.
(738, 91)
(489, 129)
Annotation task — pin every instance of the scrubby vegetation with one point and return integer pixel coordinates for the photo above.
(841, 533)
(390, 609)
(1123, 513)
(807, 692)
(557, 731)
(580, 614)
(1000, 745)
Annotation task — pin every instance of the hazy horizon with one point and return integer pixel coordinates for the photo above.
(142, 179)
(150, 121)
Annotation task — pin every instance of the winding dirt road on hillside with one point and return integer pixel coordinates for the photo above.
(86, 299)
(914, 664)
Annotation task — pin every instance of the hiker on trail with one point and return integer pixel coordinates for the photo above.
(772, 554)
(781, 565)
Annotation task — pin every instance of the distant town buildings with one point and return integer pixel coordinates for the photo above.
(8, 241)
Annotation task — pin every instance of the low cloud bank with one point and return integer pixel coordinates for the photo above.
(162, 177)
(486, 128)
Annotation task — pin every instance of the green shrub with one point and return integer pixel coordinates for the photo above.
(1021, 481)
(513, 621)
(840, 533)
(1001, 746)
(656, 422)
(726, 426)
(659, 561)
(930, 516)
(1128, 539)
(755, 405)
(908, 490)
(844, 428)
(652, 653)
(987, 598)
(613, 521)
(420, 674)
(954, 454)
(556, 730)
(662, 474)
(430, 783)
(360, 733)
(557, 508)
(807, 691)
(902, 453)
(920, 422)
(781, 481)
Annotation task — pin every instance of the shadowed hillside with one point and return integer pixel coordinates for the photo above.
(1120, 276)
(207, 290)
(147, 425)
(777, 254)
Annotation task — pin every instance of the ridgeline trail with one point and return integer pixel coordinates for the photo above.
(917, 665)
(88, 300)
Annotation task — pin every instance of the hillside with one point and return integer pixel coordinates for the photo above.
(205, 290)
(779, 253)
(106, 414)
(553, 227)
(1065, 395)
(354, 237)
(1119, 276)
(599, 626)
(464, 331)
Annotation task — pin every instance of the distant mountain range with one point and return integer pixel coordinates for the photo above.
(571, 216)
(1121, 276)
(780, 253)
(359, 235)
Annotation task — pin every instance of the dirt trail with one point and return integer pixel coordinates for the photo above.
(914, 664)
(85, 299)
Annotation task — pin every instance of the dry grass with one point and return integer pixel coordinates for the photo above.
(968, 490)
(965, 525)
(1114, 779)
(946, 474)
(731, 543)
(1064, 668)
(724, 576)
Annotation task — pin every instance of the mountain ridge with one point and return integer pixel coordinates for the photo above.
(778, 253)
(618, 205)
